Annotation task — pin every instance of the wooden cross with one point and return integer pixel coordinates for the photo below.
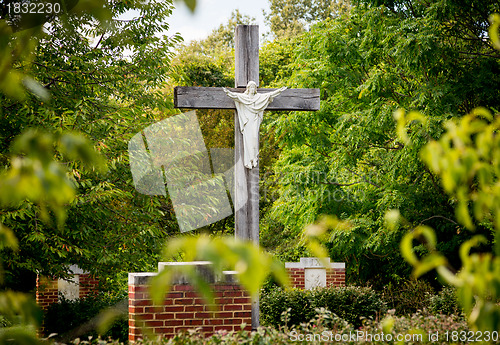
(246, 194)
(246, 69)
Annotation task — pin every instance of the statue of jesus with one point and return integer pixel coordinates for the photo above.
(250, 106)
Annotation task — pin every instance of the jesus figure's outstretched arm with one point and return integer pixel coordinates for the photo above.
(230, 94)
(276, 93)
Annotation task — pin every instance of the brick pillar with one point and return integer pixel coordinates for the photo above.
(184, 309)
(46, 291)
(310, 273)
(49, 289)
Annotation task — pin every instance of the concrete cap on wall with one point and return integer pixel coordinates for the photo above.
(140, 278)
(204, 269)
(314, 263)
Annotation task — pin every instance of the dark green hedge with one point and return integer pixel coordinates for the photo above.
(407, 296)
(351, 303)
(445, 302)
(66, 315)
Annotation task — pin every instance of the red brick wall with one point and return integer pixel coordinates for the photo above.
(46, 291)
(297, 277)
(88, 285)
(334, 277)
(183, 309)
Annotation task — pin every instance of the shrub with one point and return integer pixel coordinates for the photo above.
(408, 296)
(67, 315)
(276, 301)
(352, 303)
(326, 324)
(262, 336)
(445, 302)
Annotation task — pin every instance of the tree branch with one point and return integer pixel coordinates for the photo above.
(99, 42)
(342, 184)
(363, 178)
(321, 153)
(439, 216)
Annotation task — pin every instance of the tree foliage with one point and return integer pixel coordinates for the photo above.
(97, 74)
(288, 18)
(466, 159)
(347, 159)
(71, 85)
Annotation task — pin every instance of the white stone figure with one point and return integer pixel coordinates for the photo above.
(250, 106)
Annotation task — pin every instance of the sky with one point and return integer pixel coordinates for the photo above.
(209, 14)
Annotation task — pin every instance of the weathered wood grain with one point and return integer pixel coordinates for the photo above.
(246, 54)
(215, 98)
(246, 218)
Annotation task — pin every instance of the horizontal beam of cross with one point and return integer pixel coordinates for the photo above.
(215, 98)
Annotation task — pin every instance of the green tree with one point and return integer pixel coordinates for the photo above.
(223, 36)
(346, 159)
(35, 181)
(288, 18)
(466, 160)
(72, 75)
(99, 74)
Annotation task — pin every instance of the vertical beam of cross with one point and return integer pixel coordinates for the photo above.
(246, 203)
